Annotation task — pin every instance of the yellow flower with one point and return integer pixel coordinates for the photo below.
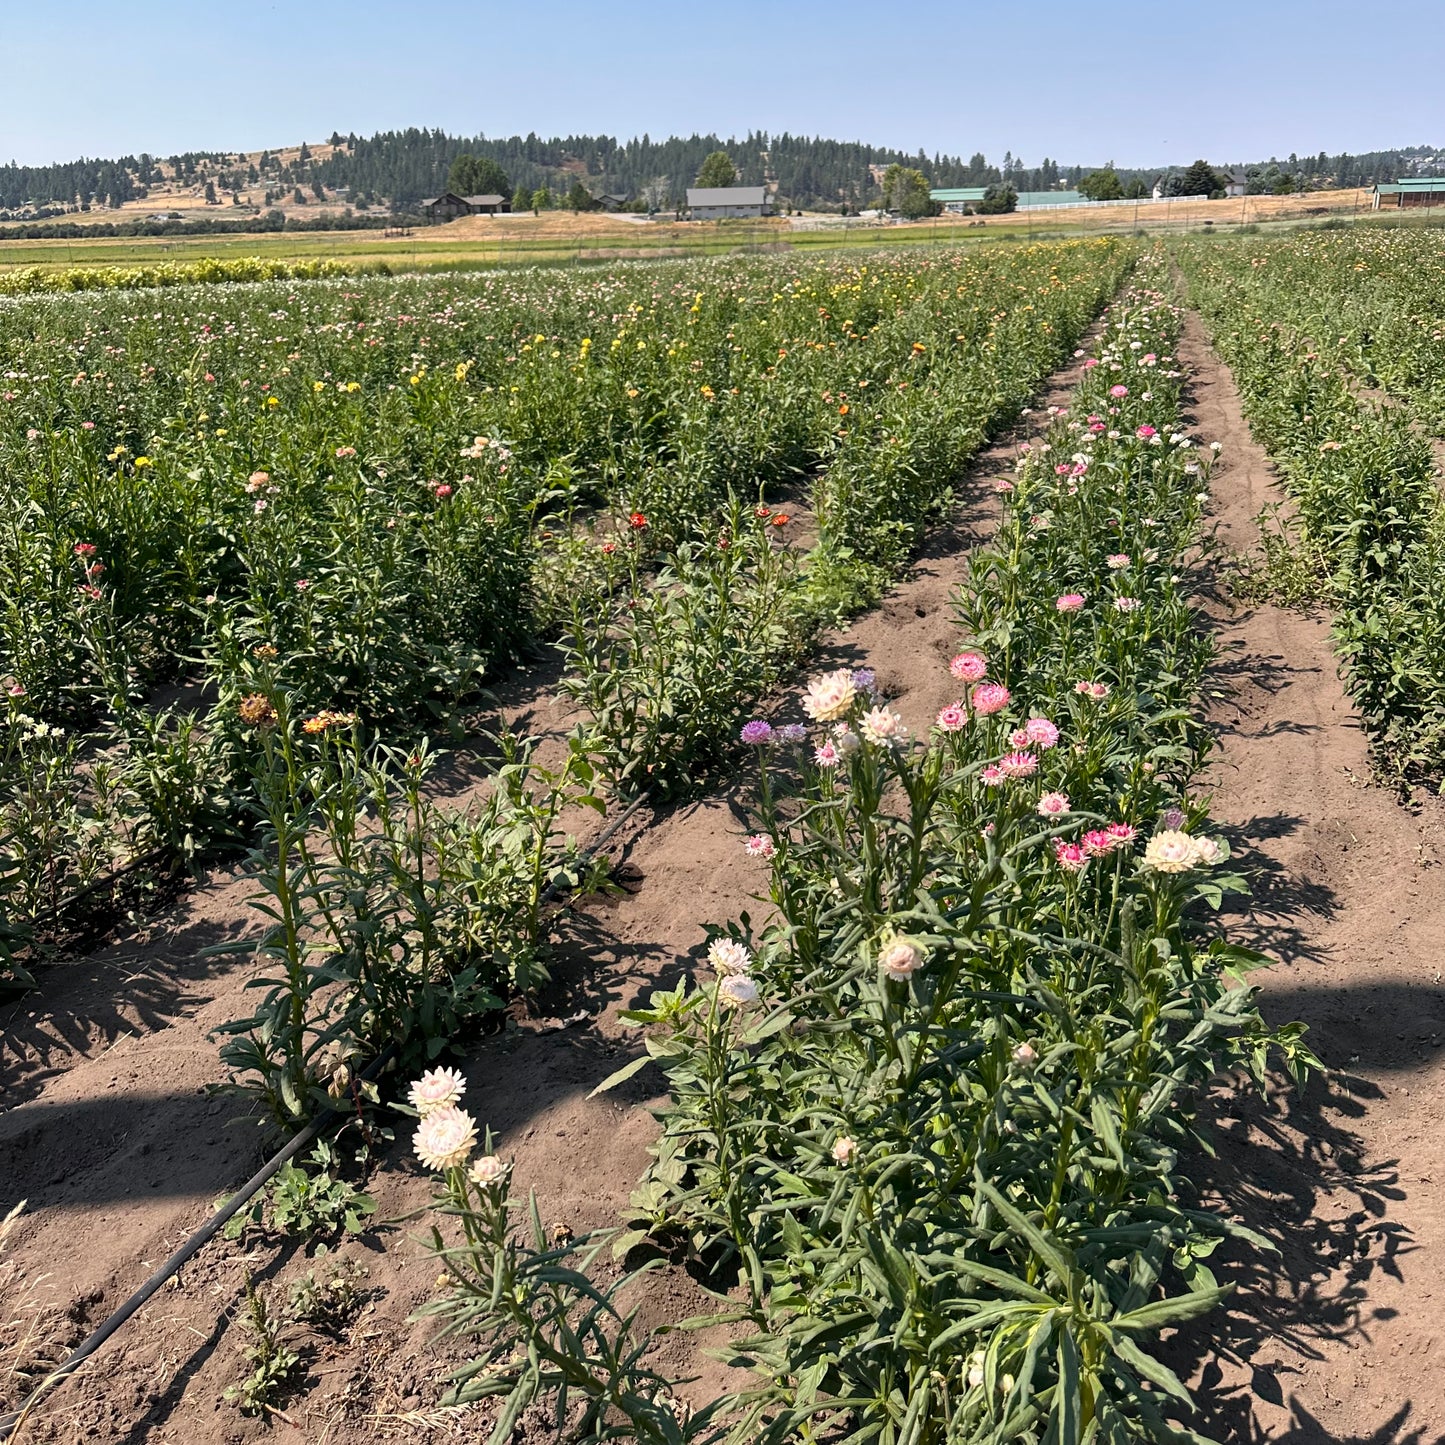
(416, 381)
(632, 391)
(539, 338)
(318, 386)
(353, 386)
(462, 368)
(273, 401)
(142, 462)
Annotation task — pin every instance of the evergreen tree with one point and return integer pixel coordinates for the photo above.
(541, 200)
(522, 200)
(579, 198)
(1199, 180)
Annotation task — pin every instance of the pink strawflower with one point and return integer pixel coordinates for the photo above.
(1093, 361)
(1097, 842)
(992, 776)
(1070, 602)
(1122, 834)
(826, 755)
(1019, 764)
(1070, 856)
(1118, 391)
(1052, 804)
(1117, 561)
(1146, 431)
(1095, 691)
(952, 718)
(1019, 738)
(990, 697)
(1003, 486)
(759, 846)
(1126, 604)
(969, 667)
(1041, 732)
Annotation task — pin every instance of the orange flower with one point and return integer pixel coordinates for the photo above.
(256, 711)
(843, 411)
(781, 520)
(919, 348)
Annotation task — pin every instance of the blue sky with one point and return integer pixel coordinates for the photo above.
(1139, 83)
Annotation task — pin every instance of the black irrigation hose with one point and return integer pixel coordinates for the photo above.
(11, 1423)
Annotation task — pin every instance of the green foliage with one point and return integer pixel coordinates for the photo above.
(314, 1202)
(579, 198)
(1102, 185)
(906, 190)
(471, 175)
(998, 201)
(717, 170)
(1201, 179)
(277, 1368)
(541, 199)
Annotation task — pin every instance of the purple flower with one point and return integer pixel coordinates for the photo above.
(756, 732)
(1173, 818)
(864, 679)
(791, 733)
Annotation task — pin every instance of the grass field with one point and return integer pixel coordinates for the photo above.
(562, 237)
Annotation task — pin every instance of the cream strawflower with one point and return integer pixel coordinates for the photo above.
(444, 1138)
(844, 1150)
(737, 989)
(901, 958)
(728, 956)
(489, 1170)
(882, 727)
(1210, 851)
(1171, 851)
(436, 1089)
(830, 695)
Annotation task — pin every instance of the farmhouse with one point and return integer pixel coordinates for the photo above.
(958, 199)
(1410, 191)
(1235, 183)
(448, 206)
(715, 203)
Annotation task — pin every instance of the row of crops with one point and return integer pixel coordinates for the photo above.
(1311, 328)
(241, 523)
(931, 1119)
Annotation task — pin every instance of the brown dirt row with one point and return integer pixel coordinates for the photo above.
(121, 1153)
(1334, 1339)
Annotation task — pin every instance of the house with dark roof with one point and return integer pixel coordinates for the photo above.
(448, 206)
(717, 203)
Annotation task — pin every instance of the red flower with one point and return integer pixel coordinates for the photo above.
(638, 522)
(84, 549)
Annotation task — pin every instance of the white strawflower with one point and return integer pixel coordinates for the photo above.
(1171, 851)
(1025, 1056)
(728, 956)
(901, 959)
(882, 727)
(436, 1089)
(489, 1170)
(830, 695)
(444, 1139)
(737, 989)
(1210, 851)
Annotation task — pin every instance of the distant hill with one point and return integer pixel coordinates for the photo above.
(392, 170)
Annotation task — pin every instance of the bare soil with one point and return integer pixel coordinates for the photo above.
(1337, 1338)
(110, 1135)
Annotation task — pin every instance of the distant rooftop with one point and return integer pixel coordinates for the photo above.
(727, 195)
(1049, 198)
(948, 194)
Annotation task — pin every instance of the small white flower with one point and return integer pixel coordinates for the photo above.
(728, 956)
(489, 1170)
(882, 727)
(901, 958)
(436, 1089)
(738, 989)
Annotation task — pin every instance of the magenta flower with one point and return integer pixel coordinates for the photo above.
(1146, 431)
(1018, 764)
(1070, 856)
(1041, 732)
(990, 697)
(1052, 804)
(969, 667)
(756, 732)
(952, 718)
(1122, 834)
(1097, 842)
(992, 776)
(1092, 362)
(1070, 602)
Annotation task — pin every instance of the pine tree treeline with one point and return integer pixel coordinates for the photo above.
(402, 167)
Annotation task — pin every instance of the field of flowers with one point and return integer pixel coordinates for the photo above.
(1307, 327)
(930, 1119)
(238, 515)
(924, 1126)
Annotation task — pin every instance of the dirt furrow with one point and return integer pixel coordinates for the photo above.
(1333, 1340)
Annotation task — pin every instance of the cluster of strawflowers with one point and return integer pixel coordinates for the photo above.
(446, 1135)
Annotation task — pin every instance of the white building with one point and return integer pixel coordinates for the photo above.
(716, 203)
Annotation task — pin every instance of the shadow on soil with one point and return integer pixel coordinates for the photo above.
(1294, 1171)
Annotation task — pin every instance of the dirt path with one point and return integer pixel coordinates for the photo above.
(121, 1154)
(1340, 1338)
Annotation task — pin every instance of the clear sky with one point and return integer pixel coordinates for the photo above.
(1137, 81)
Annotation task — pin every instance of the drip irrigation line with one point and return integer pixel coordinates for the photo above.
(10, 1424)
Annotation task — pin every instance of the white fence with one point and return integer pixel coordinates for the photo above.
(1140, 201)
